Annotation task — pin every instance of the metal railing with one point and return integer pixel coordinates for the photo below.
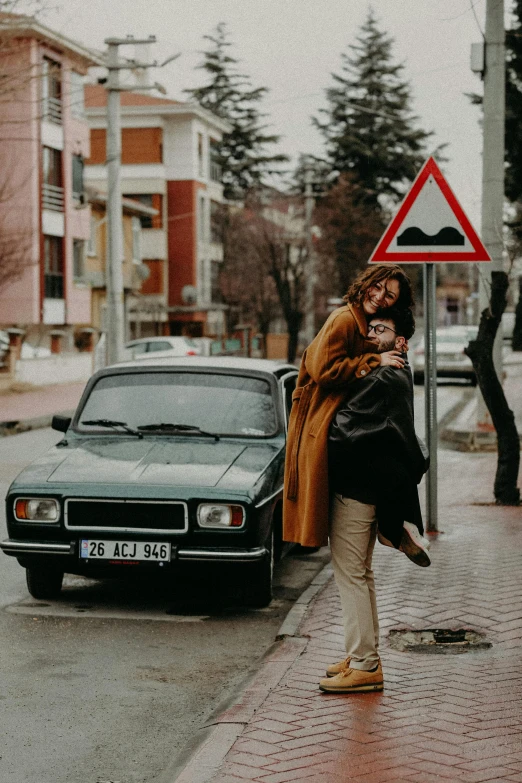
(52, 110)
(53, 197)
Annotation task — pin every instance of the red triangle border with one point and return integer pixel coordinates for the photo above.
(381, 254)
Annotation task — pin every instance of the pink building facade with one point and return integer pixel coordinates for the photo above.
(44, 216)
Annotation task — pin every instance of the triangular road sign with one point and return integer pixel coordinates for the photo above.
(430, 226)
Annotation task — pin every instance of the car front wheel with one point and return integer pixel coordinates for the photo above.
(259, 577)
(44, 582)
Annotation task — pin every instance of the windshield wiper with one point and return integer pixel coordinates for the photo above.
(167, 427)
(114, 424)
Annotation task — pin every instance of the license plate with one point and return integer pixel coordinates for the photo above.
(152, 551)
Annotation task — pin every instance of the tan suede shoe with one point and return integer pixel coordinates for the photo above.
(337, 668)
(353, 681)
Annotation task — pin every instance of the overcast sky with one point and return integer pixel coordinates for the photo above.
(292, 47)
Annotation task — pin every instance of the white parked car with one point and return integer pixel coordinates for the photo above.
(452, 362)
(28, 351)
(159, 347)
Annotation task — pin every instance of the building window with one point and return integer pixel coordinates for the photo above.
(216, 223)
(215, 290)
(52, 166)
(52, 183)
(201, 168)
(53, 267)
(51, 91)
(153, 200)
(92, 245)
(136, 240)
(77, 178)
(202, 219)
(78, 260)
(76, 94)
(215, 168)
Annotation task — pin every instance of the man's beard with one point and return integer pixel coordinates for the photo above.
(389, 346)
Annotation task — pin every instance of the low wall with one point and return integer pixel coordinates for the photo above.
(58, 368)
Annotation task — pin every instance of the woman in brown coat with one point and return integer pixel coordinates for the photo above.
(339, 353)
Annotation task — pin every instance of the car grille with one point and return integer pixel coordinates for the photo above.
(126, 515)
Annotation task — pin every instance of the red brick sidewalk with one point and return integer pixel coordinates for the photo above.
(440, 717)
(44, 401)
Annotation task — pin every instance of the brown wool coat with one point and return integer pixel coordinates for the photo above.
(339, 353)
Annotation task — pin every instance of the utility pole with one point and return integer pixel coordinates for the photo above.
(114, 272)
(493, 166)
(310, 276)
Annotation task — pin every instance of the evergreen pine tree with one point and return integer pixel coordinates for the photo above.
(369, 128)
(243, 154)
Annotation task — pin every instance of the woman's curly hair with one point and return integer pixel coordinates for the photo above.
(378, 274)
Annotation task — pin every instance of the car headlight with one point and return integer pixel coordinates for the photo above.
(37, 509)
(220, 515)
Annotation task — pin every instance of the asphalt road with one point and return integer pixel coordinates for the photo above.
(108, 684)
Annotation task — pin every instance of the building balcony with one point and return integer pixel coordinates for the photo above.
(53, 197)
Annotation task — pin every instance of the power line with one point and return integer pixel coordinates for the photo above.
(473, 3)
(477, 20)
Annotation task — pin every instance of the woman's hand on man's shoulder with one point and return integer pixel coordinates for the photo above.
(392, 359)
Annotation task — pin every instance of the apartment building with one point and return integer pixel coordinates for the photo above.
(44, 216)
(135, 275)
(168, 165)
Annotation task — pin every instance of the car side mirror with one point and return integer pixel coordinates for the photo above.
(61, 423)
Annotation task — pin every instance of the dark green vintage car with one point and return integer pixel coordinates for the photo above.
(164, 461)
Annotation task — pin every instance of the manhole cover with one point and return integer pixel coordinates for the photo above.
(438, 641)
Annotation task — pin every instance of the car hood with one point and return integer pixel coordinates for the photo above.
(175, 463)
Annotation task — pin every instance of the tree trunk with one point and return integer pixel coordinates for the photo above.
(293, 322)
(480, 351)
(516, 343)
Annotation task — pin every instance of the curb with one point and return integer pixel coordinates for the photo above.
(15, 427)
(445, 422)
(205, 756)
(294, 618)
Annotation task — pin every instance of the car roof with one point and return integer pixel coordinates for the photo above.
(276, 367)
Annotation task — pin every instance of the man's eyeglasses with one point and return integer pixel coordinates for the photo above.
(380, 328)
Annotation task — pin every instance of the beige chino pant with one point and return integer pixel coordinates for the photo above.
(353, 531)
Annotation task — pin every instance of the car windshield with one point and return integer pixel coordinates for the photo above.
(216, 403)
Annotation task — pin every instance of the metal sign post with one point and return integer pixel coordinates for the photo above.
(430, 391)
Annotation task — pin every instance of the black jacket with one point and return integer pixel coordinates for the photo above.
(374, 453)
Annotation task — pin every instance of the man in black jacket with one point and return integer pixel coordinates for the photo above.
(374, 454)
(375, 464)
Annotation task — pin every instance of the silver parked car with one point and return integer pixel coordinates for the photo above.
(452, 362)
